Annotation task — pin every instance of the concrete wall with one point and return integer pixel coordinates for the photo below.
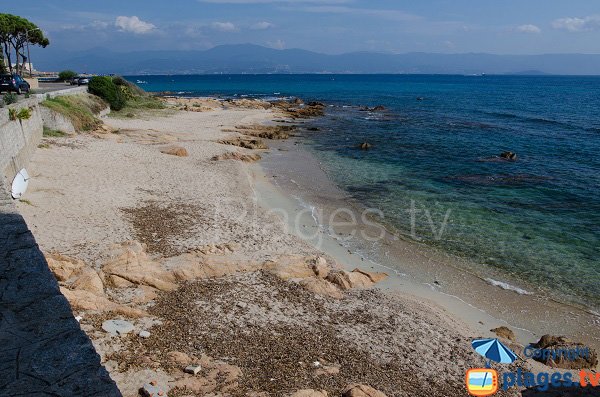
(43, 351)
(19, 138)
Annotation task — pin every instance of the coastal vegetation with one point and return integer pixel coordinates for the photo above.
(16, 33)
(124, 97)
(81, 110)
(50, 133)
(66, 75)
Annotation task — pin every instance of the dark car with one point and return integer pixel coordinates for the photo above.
(14, 83)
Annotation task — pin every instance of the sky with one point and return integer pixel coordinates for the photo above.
(327, 26)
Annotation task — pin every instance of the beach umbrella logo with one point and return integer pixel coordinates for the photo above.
(493, 350)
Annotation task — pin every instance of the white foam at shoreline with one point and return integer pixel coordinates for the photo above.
(507, 286)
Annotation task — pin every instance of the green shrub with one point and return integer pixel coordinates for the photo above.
(105, 88)
(66, 75)
(12, 114)
(10, 98)
(24, 114)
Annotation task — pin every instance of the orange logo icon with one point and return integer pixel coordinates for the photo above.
(482, 381)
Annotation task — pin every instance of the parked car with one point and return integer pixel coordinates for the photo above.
(83, 81)
(14, 83)
(74, 80)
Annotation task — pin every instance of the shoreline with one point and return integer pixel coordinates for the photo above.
(177, 246)
(425, 271)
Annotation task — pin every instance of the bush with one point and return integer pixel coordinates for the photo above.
(80, 109)
(12, 114)
(66, 75)
(10, 98)
(105, 88)
(24, 114)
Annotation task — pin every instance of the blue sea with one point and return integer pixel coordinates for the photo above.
(435, 147)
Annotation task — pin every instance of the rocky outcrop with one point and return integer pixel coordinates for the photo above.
(245, 143)
(247, 158)
(309, 393)
(267, 131)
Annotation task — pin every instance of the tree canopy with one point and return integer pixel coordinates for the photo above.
(66, 75)
(15, 33)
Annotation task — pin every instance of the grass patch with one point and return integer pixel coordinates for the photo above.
(140, 105)
(25, 201)
(80, 109)
(50, 133)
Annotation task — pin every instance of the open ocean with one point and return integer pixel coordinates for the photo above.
(536, 220)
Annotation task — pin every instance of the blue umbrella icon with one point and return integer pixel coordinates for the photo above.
(493, 350)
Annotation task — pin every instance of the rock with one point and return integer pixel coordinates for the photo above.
(179, 359)
(119, 282)
(509, 156)
(339, 278)
(359, 280)
(199, 385)
(85, 300)
(504, 332)
(144, 334)
(298, 101)
(63, 267)
(192, 369)
(373, 276)
(322, 287)
(175, 151)
(356, 390)
(365, 146)
(267, 131)
(420, 98)
(378, 108)
(247, 158)
(153, 389)
(89, 280)
(320, 267)
(560, 352)
(117, 327)
(290, 267)
(309, 393)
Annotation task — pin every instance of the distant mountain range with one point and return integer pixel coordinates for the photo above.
(249, 58)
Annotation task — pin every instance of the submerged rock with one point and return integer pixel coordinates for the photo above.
(365, 146)
(509, 156)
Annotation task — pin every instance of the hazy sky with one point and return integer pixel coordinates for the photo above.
(329, 26)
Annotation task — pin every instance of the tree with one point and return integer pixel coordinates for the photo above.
(66, 75)
(15, 33)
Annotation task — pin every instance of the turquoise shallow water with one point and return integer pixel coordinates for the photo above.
(536, 220)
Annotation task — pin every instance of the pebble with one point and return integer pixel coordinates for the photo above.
(144, 334)
(192, 369)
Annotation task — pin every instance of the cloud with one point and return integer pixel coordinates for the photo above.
(134, 25)
(224, 26)
(578, 24)
(528, 29)
(261, 25)
(277, 44)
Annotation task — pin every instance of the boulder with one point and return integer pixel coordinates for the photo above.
(356, 390)
(563, 353)
(88, 280)
(178, 359)
(247, 158)
(290, 267)
(509, 156)
(175, 151)
(504, 332)
(373, 276)
(320, 267)
(365, 146)
(339, 278)
(322, 287)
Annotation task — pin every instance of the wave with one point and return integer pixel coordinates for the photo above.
(507, 286)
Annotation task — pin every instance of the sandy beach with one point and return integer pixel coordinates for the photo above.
(167, 222)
